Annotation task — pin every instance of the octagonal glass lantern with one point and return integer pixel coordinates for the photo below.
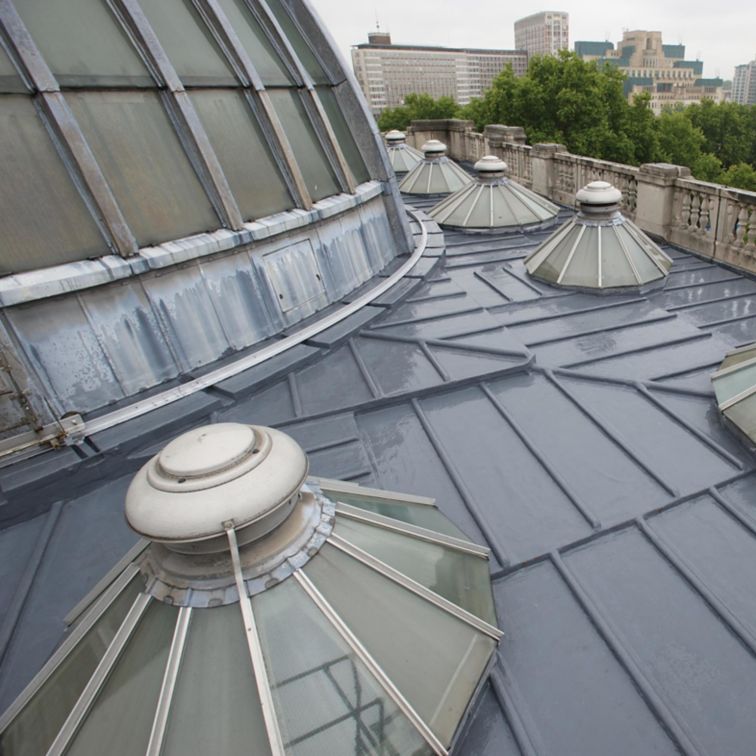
(267, 613)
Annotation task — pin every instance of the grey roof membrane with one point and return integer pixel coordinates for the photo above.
(575, 435)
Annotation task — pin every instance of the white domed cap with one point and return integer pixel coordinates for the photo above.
(395, 136)
(433, 148)
(600, 193)
(205, 479)
(490, 164)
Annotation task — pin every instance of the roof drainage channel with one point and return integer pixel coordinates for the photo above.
(228, 371)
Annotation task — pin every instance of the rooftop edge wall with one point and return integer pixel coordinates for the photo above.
(711, 220)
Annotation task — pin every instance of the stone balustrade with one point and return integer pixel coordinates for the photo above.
(714, 221)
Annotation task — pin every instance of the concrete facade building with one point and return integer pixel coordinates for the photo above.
(387, 73)
(656, 68)
(744, 84)
(543, 33)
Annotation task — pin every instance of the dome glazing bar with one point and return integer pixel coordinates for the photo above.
(78, 157)
(189, 127)
(93, 687)
(372, 665)
(99, 608)
(737, 398)
(261, 103)
(571, 255)
(255, 652)
(412, 585)
(160, 723)
(414, 531)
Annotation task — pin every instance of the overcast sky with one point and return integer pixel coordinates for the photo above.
(722, 34)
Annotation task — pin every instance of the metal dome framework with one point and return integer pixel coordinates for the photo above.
(363, 621)
(144, 93)
(734, 385)
(494, 202)
(435, 174)
(599, 250)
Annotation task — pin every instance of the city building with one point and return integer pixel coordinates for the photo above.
(544, 33)
(653, 67)
(387, 73)
(744, 84)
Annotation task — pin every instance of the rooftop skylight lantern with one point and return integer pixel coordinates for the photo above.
(437, 173)
(735, 388)
(494, 202)
(402, 157)
(599, 250)
(268, 614)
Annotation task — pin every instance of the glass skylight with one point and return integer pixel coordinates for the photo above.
(735, 388)
(402, 157)
(435, 174)
(494, 202)
(599, 249)
(268, 618)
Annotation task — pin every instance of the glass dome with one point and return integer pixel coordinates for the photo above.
(265, 616)
(599, 249)
(494, 202)
(402, 157)
(182, 181)
(735, 388)
(435, 174)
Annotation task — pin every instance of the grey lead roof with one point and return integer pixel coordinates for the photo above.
(575, 435)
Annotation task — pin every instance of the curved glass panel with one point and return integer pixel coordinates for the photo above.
(188, 43)
(739, 355)
(582, 269)
(144, 163)
(83, 43)
(297, 41)
(743, 414)
(440, 660)
(421, 515)
(462, 578)
(730, 385)
(326, 700)
(244, 155)
(121, 717)
(550, 268)
(215, 706)
(615, 269)
(266, 60)
(643, 264)
(35, 185)
(39, 722)
(343, 134)
(311, 158)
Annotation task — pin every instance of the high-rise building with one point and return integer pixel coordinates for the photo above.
(387, 73)
(653, 67)
(544, 33)
(744, 84)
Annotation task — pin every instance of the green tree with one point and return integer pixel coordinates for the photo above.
(728, 131)
(417, 107)
(680, 142)
(642, 129)
(563, 99)
(741, 176)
